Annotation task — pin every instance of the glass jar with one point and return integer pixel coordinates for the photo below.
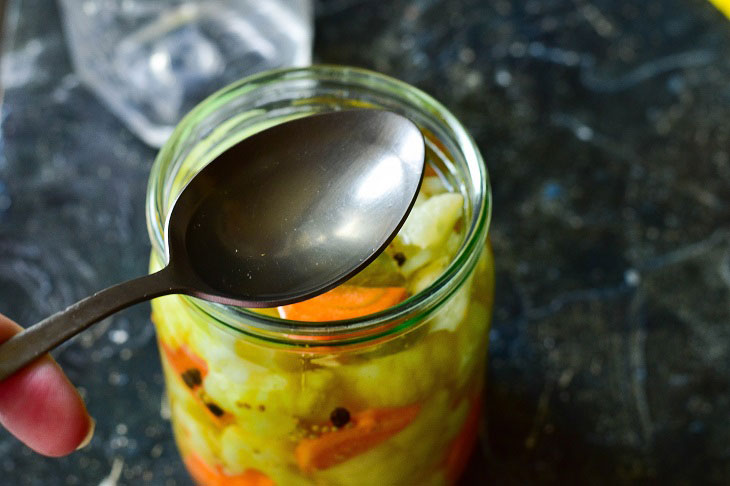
(390, 398)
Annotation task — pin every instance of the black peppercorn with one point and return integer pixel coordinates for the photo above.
(215, 409)
(340, 417)
(400, 258)
(192, 377)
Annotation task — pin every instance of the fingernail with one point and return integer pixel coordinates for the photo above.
(89, 434)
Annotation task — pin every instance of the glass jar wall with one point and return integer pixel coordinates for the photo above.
(388, 398)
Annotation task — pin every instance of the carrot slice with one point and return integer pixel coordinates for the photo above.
(192, 370)
(344, 302)
(201, 472)
(207, 475)
(366, 430)
(463, 444)
(183, 359)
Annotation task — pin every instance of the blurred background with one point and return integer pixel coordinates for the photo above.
(604, 124)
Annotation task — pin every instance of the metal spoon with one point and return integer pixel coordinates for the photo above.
(281, 217)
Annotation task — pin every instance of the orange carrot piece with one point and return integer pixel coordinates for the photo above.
(206, 475)
(366, 430)
(201, 472)
(461, 447)
(344, 302)
(184, 362)
(183, 359)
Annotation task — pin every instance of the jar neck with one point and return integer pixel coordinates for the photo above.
(260, 101)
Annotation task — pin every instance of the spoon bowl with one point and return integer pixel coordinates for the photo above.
(280, 217)
(287, 215)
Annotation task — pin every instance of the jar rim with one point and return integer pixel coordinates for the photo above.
(387, 322)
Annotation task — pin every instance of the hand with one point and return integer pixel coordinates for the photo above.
(39, 406)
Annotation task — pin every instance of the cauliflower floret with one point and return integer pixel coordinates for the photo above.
(252, 400)
(471, 337)
(401, 378)
(431, 222)
(417, 259)
(433, 185)
(453, 311)
(172, 319)
(428, 274)
(241, 450)
(193, 430)
(272, 403)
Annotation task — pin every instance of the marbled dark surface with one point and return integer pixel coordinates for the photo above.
(605, 127)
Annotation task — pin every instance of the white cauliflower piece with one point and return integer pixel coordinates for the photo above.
(241, 450)
(453, 311)
(431, 222)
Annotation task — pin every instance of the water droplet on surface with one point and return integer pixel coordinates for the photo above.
(118, 336)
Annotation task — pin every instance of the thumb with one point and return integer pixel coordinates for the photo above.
(41, 407)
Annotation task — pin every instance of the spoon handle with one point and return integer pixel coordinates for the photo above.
(40, 338)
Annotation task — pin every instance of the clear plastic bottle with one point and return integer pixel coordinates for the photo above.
(151, 61)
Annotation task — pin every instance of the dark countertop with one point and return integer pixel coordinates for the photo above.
(605, 128)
